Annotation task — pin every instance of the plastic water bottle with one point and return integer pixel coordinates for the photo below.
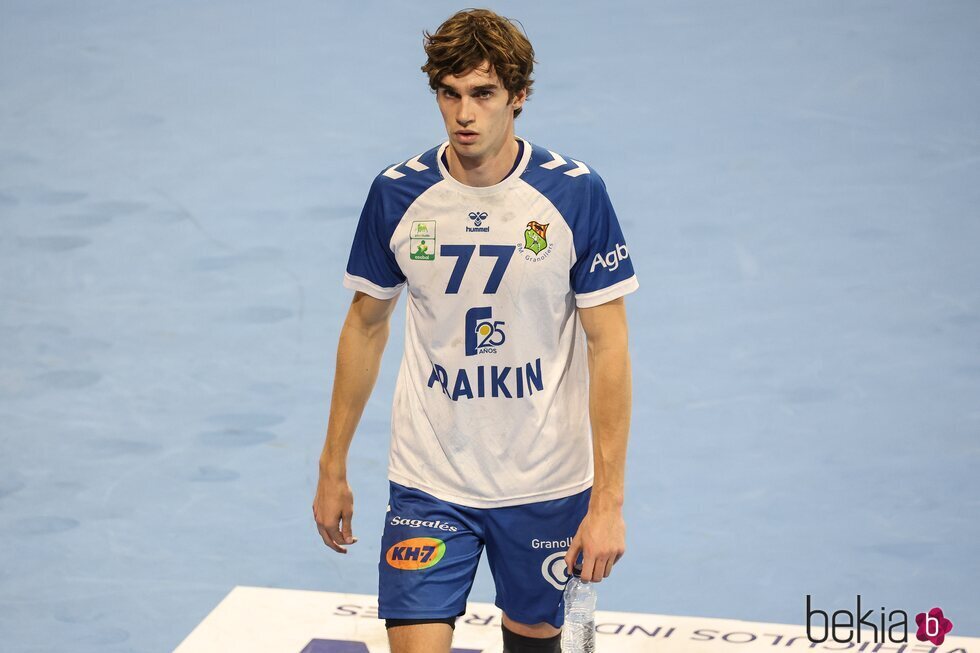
(578, 633)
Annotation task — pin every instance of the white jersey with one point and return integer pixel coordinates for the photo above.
(491, 402)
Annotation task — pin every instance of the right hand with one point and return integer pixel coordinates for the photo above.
(333, 508)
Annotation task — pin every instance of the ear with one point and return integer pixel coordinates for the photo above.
(518, 100)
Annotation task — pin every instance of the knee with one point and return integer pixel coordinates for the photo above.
(528, 638)
(539, 630)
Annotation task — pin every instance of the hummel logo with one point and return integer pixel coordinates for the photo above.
(478, 217)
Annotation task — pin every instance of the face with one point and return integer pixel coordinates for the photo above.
(478, 115)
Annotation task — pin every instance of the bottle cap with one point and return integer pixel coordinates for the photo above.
(577, 570)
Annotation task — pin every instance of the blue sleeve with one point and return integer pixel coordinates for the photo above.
(371, 266)
(602, 270)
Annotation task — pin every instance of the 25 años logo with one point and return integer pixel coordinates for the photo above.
(933, 626)
(482, 334)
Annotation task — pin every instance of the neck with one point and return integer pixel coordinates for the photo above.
(484, 171)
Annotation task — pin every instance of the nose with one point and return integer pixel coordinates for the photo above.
(464, 114)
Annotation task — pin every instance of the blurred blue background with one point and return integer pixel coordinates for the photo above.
(179, 185)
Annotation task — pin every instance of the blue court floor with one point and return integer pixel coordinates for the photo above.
(179, 182)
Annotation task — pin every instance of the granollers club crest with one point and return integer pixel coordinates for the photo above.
(535, 238)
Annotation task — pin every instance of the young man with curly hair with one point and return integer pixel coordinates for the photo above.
(512, 405)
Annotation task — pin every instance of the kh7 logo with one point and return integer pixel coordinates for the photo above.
(416, 553)
(483, 334)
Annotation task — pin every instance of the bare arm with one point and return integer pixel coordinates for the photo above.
(362, 342)
(601, 537)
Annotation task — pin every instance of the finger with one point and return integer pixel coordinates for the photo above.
(571, 556)
(609, 566)
(331, 537)
(588, 568)
(347, 532)
(337, 538)
(325, 536)
(599, 571)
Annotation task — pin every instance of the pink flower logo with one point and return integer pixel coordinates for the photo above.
(932, 626)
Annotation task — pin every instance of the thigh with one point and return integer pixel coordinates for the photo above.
(430, 550)
(526, 546)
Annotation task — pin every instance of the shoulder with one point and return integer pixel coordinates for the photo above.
(553, 173)
(403, 182)
(396, 187)
(573, 187)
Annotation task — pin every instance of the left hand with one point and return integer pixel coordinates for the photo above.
(601, 539)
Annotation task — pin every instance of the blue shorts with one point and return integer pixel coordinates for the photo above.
(430, 550)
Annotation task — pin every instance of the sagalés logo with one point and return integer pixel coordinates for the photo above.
(933, 626)
(416, 553)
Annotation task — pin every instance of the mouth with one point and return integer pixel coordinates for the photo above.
(466, 135)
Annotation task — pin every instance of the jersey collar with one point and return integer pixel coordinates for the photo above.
(485, 190)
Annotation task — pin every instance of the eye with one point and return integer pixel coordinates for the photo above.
(484, 94)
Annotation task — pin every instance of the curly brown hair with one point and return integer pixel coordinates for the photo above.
(472, 36)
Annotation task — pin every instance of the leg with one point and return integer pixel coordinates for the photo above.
(525, 547)
(420, 638)
(429, 554)
(542, 629)
(541, 637)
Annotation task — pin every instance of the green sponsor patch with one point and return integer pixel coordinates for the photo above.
(422, 240)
